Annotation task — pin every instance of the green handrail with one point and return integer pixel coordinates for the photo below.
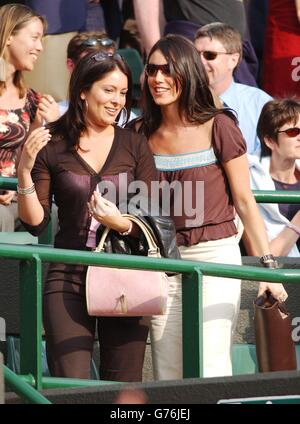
(23, 389)
(31, 258)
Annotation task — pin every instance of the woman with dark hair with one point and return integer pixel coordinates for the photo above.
(279, 132)
(67, 161)
(200, 147)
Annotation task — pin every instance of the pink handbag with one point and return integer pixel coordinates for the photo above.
(127, 292)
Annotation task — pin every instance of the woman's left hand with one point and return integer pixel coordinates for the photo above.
(107, 213)
(277, 290)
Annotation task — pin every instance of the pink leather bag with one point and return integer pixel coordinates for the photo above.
(127, 292)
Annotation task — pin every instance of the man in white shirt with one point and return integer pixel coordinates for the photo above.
(220, 48)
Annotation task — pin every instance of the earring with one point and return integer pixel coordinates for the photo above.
(86, 105)
(2, 69)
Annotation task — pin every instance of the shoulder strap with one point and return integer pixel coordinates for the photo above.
(153, 248)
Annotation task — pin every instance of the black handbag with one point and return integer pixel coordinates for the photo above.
(275, 349)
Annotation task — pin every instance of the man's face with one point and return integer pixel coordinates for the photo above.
(220, 68)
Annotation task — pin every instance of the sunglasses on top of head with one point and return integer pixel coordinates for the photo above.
(103, 42)
(291, 132)
(152, 69)
(101, 56)
(210, 55)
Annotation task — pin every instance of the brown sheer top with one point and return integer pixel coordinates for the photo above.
(64, 174)
(203, 185)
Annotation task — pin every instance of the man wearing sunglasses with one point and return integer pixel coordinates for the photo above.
(220, 49)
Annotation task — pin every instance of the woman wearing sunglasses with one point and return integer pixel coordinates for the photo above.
(67, 161)
(279, 133)
(192, 142)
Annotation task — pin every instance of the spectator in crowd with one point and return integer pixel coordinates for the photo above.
(21, 108)
(184, 17)
(281, 61)
(195, 141)
(85, 148)
(279, 133)
(220, 49)
(82, 44)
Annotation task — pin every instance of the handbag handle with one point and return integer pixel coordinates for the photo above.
(153, 248)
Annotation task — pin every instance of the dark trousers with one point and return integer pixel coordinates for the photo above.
(70, 335)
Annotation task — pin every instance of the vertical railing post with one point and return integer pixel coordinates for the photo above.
(192, 324)
(31, 319)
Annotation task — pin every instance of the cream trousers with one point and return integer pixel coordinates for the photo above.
(221, 302)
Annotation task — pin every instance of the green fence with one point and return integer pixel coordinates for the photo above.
(32, 257)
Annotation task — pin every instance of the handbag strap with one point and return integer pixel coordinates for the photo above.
(153, 249)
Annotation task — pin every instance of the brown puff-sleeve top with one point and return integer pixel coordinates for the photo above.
(63, 174)
(202, 203)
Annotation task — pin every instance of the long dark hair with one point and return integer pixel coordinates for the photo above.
(90, 69)
(196, 102)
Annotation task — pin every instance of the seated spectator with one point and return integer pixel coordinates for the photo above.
(82, 44)
(279, 133)
(21, 108)
(220, 48)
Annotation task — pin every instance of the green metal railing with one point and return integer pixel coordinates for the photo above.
(23, 388)
(32, 257)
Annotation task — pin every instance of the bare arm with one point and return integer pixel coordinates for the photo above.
(29, 206)
(297, 4)
(150, 20)
(237, 172)
(286, 239)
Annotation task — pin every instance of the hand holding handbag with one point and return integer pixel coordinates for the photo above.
(127, 292)
(275, 349)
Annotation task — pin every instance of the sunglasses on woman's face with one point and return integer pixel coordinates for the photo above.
(151, 69)
(210, 55)
(291, 132)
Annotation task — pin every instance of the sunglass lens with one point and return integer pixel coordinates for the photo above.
(293, 132)
(209, 55)
(151, 69)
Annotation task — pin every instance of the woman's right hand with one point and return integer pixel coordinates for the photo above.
(36, 140)
(277, 290)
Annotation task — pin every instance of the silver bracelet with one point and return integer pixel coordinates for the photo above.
(28, 190)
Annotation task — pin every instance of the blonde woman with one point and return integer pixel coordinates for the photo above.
(21, 32)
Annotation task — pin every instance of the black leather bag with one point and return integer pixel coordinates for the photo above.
(275, 349)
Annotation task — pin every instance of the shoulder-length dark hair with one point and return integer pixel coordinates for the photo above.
(90, 69)
(196, 101)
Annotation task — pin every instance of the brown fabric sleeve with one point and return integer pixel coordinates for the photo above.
(228, 141)
(41, 178)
